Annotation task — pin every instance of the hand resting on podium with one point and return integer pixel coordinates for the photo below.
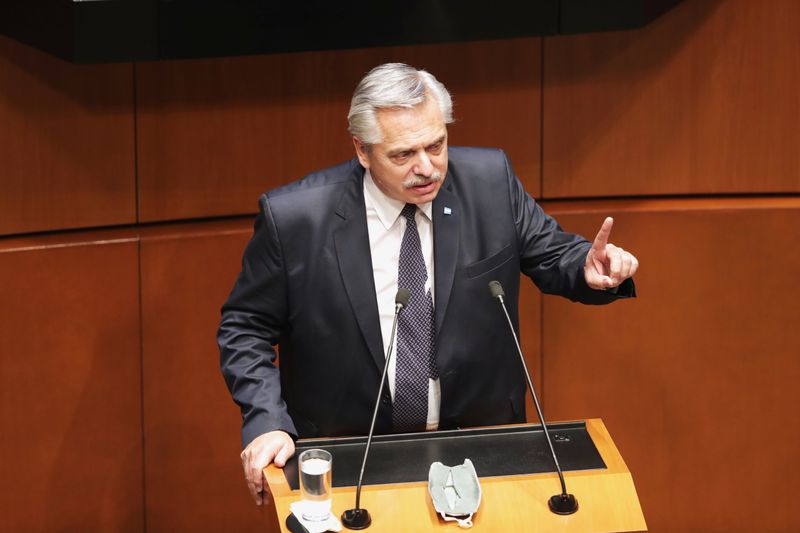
(273, 447)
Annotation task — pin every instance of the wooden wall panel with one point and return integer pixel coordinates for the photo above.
(215, 133)
(703, 100)
(70, 395)
(191, 426)
(696, 378)
(66, 142)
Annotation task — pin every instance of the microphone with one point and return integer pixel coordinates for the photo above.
(358, 518)
(563, 503)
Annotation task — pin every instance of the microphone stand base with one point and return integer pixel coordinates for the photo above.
(356, 519)
(563, 504)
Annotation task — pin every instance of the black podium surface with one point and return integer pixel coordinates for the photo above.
(500, 451)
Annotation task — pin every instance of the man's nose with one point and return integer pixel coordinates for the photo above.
(423, 167)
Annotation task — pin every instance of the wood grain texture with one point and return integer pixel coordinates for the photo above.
(607, 499)
(215, 133)
(70, 394)
(66, 142)
(190, 422)
(696, 377)
(703, 100)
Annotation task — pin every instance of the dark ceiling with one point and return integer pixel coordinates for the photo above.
(106, 31)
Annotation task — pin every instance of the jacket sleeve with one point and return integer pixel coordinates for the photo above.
(551, 257)
(253, 319)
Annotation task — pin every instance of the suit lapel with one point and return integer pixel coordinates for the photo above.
(446, 210)
(355, 263)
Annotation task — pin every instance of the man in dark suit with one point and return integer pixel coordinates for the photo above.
(320, 274)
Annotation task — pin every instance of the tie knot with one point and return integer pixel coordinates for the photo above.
(409, 211)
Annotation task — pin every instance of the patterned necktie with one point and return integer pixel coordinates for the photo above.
(415, 333)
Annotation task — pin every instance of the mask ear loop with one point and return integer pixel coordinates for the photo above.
(464, 523)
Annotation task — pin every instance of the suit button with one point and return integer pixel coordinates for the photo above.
(386, 400)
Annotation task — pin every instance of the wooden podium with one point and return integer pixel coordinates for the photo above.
(606, 495)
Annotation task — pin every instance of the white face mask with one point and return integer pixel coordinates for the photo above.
(455, 491)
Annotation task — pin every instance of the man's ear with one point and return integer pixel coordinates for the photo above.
(361, 151)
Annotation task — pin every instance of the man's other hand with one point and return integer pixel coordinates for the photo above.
(607, 265)
(273, 447)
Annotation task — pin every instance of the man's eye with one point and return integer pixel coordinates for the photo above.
(435, 148)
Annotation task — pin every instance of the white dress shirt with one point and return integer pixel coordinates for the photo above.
(386, 227)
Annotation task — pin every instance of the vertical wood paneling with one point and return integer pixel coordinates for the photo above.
(66, 142)
(70, 395)
(192, 428)
(215, 133)
(703, 100)
(696, 378)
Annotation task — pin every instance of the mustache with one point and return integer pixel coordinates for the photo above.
(417, 179)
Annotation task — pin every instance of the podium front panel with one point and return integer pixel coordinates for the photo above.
(497, 451)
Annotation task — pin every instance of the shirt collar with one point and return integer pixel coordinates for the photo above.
(388, 209)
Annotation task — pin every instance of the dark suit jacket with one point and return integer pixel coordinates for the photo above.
(307, 285)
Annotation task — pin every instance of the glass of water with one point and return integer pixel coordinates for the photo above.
(315, 467)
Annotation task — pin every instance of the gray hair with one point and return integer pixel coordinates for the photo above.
(392, 85)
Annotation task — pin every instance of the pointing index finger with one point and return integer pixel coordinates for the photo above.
(601, 239)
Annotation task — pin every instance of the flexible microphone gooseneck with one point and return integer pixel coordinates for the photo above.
(358, 518)
(563, 503)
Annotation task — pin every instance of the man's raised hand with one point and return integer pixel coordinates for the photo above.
(607, 265)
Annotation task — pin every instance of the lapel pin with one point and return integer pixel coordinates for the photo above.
(448, 211)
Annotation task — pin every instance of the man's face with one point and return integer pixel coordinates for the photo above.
(411, 162)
